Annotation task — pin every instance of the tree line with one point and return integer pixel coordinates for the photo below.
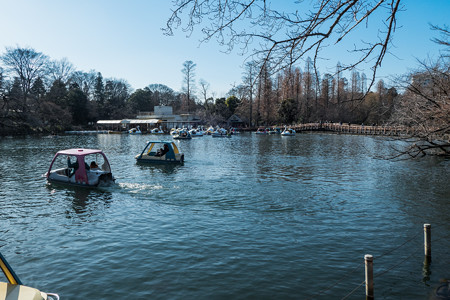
(42, 95)
(302, 96)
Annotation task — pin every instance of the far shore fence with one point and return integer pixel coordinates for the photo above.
(354, 128)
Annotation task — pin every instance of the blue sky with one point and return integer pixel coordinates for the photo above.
(123, 40)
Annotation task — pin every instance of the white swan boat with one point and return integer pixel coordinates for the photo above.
(288, 132)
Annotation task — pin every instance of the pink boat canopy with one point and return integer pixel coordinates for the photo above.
(79, 151)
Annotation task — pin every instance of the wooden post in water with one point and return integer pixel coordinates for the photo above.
(427, 239)
(368, 258)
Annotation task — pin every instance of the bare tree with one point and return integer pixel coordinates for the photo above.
(60, 70)
(267, 96)
(308, 89)
(249, 81)
(355, 85)
(162, 94)
(189, 79)
(424, 109)
(86, 82)
(285, 37)
(204, 85)
(26, 65)
(445, 35)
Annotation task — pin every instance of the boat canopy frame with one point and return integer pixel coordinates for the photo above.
(80, 154)
(150, 151)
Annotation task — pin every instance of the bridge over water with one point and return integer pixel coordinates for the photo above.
(353, 128)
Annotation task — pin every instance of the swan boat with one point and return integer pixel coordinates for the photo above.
(262, 130)
(182, 134)
(136, 130)
(157, 131)
(288, 132)
(196, 132)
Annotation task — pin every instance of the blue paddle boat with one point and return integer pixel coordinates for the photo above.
(160, 152)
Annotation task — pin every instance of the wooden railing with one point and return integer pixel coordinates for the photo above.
(353, 128)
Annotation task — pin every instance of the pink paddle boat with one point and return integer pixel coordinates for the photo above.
(80, 167)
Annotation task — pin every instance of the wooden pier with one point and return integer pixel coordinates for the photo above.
(353, 129)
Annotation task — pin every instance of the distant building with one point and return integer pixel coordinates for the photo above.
(235, 121)
(162, 117)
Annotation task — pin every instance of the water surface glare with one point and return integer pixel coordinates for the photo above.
(251, 217)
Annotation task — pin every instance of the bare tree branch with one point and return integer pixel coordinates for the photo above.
(284, 37)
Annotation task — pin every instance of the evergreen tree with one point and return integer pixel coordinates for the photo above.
(77, 102)
(222, 111)
(288, 111)
(38, 90)
(116, 94)
(232, 103)
(99, 91)
(140, 100)
(57, 94)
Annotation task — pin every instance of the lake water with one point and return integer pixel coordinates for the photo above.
(251, 217)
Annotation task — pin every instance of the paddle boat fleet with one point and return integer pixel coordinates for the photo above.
(80, 167)
(160, 152)
(276, 130)
(185, 133)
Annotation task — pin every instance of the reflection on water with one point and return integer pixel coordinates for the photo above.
(426, 270)
(82, 197)
(154, 169)
(246, 217)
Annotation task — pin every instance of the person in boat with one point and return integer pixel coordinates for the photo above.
(163, 150)
(74, 166)
(93, 165)
(71, 165)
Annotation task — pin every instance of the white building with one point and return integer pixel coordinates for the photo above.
(162, 117)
